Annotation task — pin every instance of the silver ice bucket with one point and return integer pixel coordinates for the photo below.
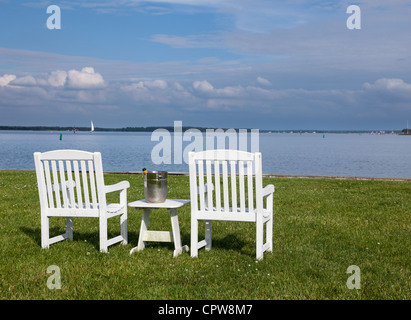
(155, 186)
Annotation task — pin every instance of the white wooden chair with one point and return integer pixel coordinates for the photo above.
(219, 193)
(71, 184)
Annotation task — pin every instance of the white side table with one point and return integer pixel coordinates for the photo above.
(162, 236)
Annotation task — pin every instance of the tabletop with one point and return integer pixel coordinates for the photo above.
(168, 204)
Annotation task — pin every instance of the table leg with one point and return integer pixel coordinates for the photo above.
(143, 229)
(176, 233)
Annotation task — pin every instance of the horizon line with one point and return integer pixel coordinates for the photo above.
(152, 128)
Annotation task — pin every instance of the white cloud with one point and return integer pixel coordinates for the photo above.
(203, 86)
(156, 84)
(85, 79)
(6, 79)
(391, 85)
(392, 93)
(148, 92)
(263, 82)
(57, 78)
(146, 85)
(29, 81)
(134, 86)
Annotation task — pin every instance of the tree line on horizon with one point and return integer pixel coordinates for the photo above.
(171, 128)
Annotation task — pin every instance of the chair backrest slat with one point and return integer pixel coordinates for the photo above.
(40, 180)
(209, 183)
(78, 183)
(70, 185)
(63, 183)
(92, 183)
(56, 184)
(258, 182)
(241, 183)
(225, 187)
(193, 185)
(49, 184)
(233, 175)
(201, 185)
(217, 185)
(85, 183)
(250, 186)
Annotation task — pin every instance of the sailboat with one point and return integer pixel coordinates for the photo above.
(92, 127)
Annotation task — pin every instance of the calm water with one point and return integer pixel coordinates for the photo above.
(307, 154)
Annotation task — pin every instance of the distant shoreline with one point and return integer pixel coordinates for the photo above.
(202, 129)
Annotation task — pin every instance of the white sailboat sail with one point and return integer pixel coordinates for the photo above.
(92, 127)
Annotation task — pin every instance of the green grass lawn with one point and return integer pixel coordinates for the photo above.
(321, 227)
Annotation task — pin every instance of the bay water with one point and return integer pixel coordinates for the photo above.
(336, 154)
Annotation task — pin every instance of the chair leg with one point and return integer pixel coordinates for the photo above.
(194, 237)
(143, 229)
(69, 228)
(270, 233)
(259, 238)
(123, 226)
(45, 233)
(123, 217)
(178, 248)
(103, 235)
(208, 232)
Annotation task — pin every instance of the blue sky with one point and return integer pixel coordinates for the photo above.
(290, 64)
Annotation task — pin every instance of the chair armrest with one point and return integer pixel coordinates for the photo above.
(267, 190)
(117, 187)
